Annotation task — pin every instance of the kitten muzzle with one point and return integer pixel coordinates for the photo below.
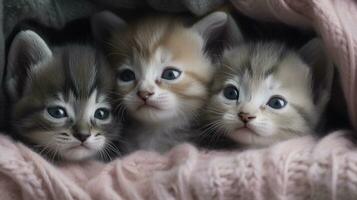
(82, 137)
(144, 95)
(245, 117)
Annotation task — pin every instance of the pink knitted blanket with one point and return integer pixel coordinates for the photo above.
(302, 168)
(297, 169)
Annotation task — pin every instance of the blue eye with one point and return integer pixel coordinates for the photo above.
(277, 102)
(57, 112)
(126, 75)
(171, 74)
(231, 92)
(102, 113)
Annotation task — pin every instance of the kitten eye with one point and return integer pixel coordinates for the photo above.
(126, 75)
(102, 113)
(277, 102)
(57, 112)
(231, 92)
(171, 74)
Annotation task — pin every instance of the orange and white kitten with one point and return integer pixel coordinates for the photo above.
(163, 69)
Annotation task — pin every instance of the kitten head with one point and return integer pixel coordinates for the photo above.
(264, 92)
(60, 97)
(162, 67)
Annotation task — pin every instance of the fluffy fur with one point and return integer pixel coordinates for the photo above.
(169, 67)
(61, 98)
(274, 93)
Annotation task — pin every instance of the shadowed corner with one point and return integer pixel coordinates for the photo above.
(2, 72)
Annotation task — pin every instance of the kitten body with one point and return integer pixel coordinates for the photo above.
(265, 92)
(163, 69)
(61, 102)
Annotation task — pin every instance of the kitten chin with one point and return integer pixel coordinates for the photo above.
(265, 93)
(162, 70)
(61, 99)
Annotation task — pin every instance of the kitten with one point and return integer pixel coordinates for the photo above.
(60, 98)
(162, 70)
(264, 92)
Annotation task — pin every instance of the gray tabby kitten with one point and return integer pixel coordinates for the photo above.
(60, 98)
(163, 69)
(264, 92)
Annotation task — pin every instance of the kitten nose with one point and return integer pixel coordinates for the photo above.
(81, 136)
(144, 95)
(245, 117)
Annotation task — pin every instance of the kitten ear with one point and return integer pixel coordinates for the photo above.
(219, 31)
(103, 24)
(27, 49)
(313, 53)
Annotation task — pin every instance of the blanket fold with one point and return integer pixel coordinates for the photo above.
(302, 168)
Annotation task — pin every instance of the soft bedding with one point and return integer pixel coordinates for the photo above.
(303, 168)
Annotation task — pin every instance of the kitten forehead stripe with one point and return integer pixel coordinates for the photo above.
(247, 66)
(95, 81)
(85, 72)
(273, 69)
(69, 83)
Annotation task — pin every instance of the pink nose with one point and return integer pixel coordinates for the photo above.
(81, 136)
(144, 95)
(245, 117)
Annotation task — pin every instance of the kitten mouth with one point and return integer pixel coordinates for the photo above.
(246, 130)
(80, 146)
(148, 105)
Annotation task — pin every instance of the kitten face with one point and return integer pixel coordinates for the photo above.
(161, 71)
(63, 124)
(62, 107)
(262, 94)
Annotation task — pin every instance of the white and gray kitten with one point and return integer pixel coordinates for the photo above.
(61, 103)
(163, 69)
(264, 92)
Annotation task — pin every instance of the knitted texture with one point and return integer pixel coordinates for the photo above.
(302, 168)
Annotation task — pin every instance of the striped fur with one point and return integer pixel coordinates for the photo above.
(76, 78)
(260, 71)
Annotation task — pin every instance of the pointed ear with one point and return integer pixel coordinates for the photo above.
(219, 31)
(233, 33)
(314, 54)
(103, 24)
(27, 50)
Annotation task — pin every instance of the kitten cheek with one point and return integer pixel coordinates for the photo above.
(95, 142)
(265, 130)
(40, 137)
(231, 119)
(123, 88)
(166, 101)
(57, 123)
(263, 127)
(131, 101)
